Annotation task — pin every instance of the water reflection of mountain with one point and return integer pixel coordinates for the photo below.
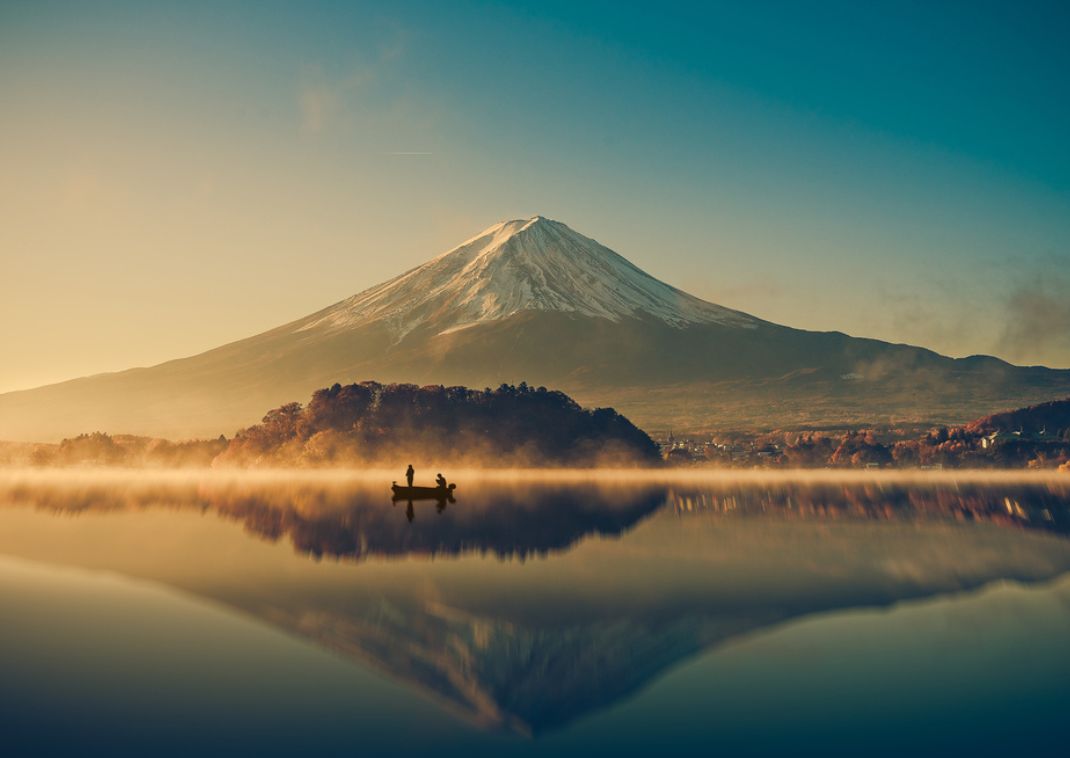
(530, 646)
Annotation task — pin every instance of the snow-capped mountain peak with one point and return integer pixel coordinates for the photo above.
(533, 264)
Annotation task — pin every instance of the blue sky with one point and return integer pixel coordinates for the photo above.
(896, 170)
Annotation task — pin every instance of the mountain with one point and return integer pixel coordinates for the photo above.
(532, 300)
(516, 266)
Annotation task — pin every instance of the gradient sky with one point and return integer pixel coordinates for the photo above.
(176, 176)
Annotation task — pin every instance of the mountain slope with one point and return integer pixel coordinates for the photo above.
(522, 265)
(532, 300)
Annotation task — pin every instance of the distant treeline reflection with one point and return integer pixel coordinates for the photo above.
(1045, 507)
(511, 520)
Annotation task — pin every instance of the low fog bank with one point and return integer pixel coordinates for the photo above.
(601, 477)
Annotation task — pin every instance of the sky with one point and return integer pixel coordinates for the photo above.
(178, 176)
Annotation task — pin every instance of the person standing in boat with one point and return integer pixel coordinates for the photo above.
(440, 482)
(410, 472)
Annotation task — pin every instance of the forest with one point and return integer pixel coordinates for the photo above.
(394, 424)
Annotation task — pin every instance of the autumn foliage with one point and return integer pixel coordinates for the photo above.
(394, 424)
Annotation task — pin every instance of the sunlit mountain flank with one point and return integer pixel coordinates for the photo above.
(533, 300)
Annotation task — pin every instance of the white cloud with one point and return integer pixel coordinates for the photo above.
(319, 104)
(325, 101)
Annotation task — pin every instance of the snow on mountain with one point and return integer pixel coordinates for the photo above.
(637, 344)
(520, 265)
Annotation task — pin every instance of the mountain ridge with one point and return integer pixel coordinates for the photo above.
(532, 300)
(518, 265)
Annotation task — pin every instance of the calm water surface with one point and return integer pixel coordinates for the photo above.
(216, 615)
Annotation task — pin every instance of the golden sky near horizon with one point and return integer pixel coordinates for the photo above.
(175, 179)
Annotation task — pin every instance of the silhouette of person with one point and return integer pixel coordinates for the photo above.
(440, 481)
(410, 472)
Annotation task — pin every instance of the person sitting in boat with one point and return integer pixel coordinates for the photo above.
(440, 482)
(410, 472)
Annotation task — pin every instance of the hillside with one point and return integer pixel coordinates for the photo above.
(1051, 418)
(398, 423)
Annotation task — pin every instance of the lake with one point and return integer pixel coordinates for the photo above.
(214, 613)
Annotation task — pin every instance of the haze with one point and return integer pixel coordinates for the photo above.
(176, 178)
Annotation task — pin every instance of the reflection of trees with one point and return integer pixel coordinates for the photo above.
(1045, 507)
(503, 521)
(356, 521)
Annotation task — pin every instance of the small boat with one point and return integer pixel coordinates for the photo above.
(422, 493)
